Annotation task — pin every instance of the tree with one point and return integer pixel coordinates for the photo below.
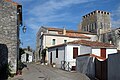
(43, 53)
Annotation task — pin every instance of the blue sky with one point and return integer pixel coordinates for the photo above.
(60, 13)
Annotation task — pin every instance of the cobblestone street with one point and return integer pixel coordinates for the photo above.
(41, 72)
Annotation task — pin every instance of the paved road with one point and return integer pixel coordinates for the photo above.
(42, 72)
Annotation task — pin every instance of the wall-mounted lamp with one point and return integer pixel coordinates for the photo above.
(24, 29)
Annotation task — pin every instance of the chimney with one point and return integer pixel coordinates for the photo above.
(110, 42)
(64, 31)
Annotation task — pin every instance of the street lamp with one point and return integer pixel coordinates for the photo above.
(24, 29)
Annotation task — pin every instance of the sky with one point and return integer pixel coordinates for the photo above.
(60, 14)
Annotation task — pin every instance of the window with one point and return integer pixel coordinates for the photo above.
(53, 42)
(65, 41)
(88, 28)
(92, 28)
(57, 53)
(75, 52)
(95, 25)
(101, 25)
(85, 28)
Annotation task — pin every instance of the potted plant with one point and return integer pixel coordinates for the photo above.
(46, 62)
(54, 64)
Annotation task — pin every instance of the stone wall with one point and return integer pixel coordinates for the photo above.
(95, 21)
(9, 33)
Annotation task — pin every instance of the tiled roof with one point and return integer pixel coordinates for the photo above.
(72, 35)
(94, 44)
(14, 3)
(76, 35)
(91, 43)
(67, 31)
(54, 29)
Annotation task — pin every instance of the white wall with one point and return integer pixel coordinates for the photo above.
(69, 55)
(85, 49)
(47, 40)
(60, 55)
(23, 58)
(110, 51)
(30, 58)
(96, 51)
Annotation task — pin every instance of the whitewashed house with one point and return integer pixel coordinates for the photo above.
(27, 56)
(64, 55)
(47, 37)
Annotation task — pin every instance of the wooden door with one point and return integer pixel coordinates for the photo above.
(75, 52)
(103, 52)
(51, 58)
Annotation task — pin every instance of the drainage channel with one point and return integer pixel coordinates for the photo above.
(41, 77)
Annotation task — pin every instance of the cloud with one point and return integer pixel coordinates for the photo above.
(116, 12)
(21, 1)
(51, 11)
(44, 12)
(116, 18)
(50, 7)
(116, 23)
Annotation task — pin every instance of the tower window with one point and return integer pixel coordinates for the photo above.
(95, 25)
(101, 25)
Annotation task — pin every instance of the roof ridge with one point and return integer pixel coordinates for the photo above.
(91, 43)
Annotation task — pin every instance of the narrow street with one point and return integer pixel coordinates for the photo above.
(42, 72)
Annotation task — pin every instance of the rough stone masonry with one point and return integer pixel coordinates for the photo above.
(9, 30)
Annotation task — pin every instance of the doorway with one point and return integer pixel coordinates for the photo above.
(51, 58)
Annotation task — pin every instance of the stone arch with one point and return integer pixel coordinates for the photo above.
(3, 62)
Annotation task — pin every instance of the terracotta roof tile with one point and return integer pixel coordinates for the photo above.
(88, 43)
(76, 35)
(91, 43)
(55, 29)
(69, 31)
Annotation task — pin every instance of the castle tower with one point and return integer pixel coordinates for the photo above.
(96, 22)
